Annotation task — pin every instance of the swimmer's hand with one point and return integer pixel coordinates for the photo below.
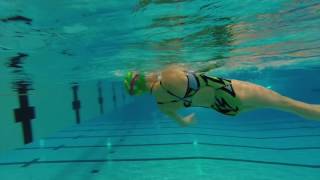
(183, 121)
(190, 119)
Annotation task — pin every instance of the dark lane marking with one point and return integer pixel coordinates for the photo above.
(200, 128)
(174, 144)
(94, 123)
(17, 18)
(24, 164)
(30, 162)
(202, 134)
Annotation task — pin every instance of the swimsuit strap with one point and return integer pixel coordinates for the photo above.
(151, 90)
(192, 88)
(172, 94)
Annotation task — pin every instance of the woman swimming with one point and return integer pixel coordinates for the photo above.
(176, 87)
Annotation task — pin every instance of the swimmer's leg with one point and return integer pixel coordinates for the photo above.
(254, 96)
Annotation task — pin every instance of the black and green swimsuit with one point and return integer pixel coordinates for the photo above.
(225, 100)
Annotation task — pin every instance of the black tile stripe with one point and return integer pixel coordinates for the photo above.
(315, 166)
(202, 123)
(30, 162)
(58, 147)
(241, 123)
(248, 130)
(175, 144)
(175, 127)
(202, 134)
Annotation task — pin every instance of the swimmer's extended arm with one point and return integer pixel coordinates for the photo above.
(183, 121)
(210, 66)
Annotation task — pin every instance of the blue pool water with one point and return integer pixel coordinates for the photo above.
(64, 113)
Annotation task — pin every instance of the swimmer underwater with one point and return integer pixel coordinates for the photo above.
(176, 87)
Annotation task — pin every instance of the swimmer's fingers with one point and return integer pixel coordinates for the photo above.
(190, 119)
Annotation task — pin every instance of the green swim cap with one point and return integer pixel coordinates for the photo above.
(135, 83)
